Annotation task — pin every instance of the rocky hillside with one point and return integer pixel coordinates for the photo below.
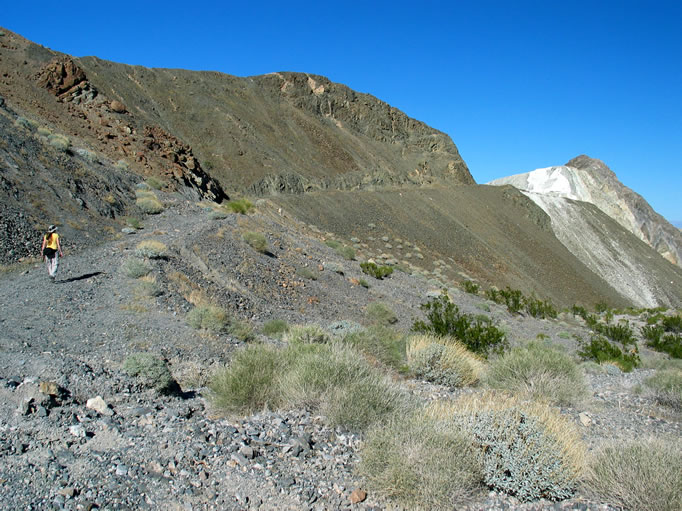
(336, 159)
(590, 180)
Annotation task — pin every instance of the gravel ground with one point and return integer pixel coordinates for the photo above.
(64, 343)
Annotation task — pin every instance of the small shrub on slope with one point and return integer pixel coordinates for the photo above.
(665, 337)
(151, 249)
(445, 320)
(667, 386)
(639, 476)
(275, 328)
(540, 371)
(528, 449)
(208, 317)
(256, 241)
(380, 314)
(421, 463)
(378, 272)
(382, 344)
(443, 360)
(135, 267)
(600, 350)
(241, 206)
(152, 371)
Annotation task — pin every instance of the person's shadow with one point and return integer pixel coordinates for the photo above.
(80, 277)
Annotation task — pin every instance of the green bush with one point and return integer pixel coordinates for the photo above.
(249, 384)
(378, 272)
(363, 283)
(540, 371)
(333, 244)
(135, 267)
(443, 361)
(667, 386)
(381, 344)
(665, 337)
(600, 350)
(639, 476)
(380, 314)
(256, 241)
(133, 222)
(275, 328)
(152, 371)
(241, 206)
(529, 450)
(471, 287)
(329, 378)
(241, 330)
(540, 308)
(421, 463)
(208, 317)
(445, 320)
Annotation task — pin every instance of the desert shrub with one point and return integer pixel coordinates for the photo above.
(363, 283)
(330, 378)
(23, 122)
(249, 383)
(621, 333)
(600, 350)
(147, 286)
(133, 222)
(151, 249)
(307, 273)
(665, 336)
(256, 241)
(640, 475)
(241, 206)
(149, 205)
(86, 155)
(333, 244)
(579, 310)
(471, 287)
(275, 328)
(421, 463)
(528, 449)
(155, 183)
(59, 142)
(381, 344)
(135, 267)
(444, 361)
(380, 314)
(44, 131)
(208, 317)
(242, 330)
(540, 371)
(540, 308)
(512, 298)
(672, 323)
(348, 253)
(601, 307)
(378, 272)
(445, 320)
(122, 165)
(667, 387)
(152, 371)
(307, 334)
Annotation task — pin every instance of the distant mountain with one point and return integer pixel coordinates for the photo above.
(590, 180)
(593, 215)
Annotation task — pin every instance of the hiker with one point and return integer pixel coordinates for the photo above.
(51, 251)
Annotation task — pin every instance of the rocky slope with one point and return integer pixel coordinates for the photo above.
(589, 180)
(64, 344)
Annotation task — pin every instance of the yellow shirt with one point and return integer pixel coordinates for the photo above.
(51, 240)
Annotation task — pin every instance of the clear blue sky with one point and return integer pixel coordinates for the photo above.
(517, 85)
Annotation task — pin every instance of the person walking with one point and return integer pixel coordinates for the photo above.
(51, 251)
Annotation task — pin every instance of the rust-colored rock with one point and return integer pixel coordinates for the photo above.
(118, 107)
(60, 76)
(358, 496)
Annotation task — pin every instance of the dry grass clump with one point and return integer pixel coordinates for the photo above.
(208, 317)
(149, 204)
(147, 286)
(151, 249)
(275, 328)
(380, 314)
(421, 463)
(641, 475)
(256, 241)
(541, 371)
(307, 334)
(59, 142)
(528, 449)
(134, 267)
(443, 360)
(380, 344)
(667, 387)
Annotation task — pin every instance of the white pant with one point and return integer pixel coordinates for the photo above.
(52, 265)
